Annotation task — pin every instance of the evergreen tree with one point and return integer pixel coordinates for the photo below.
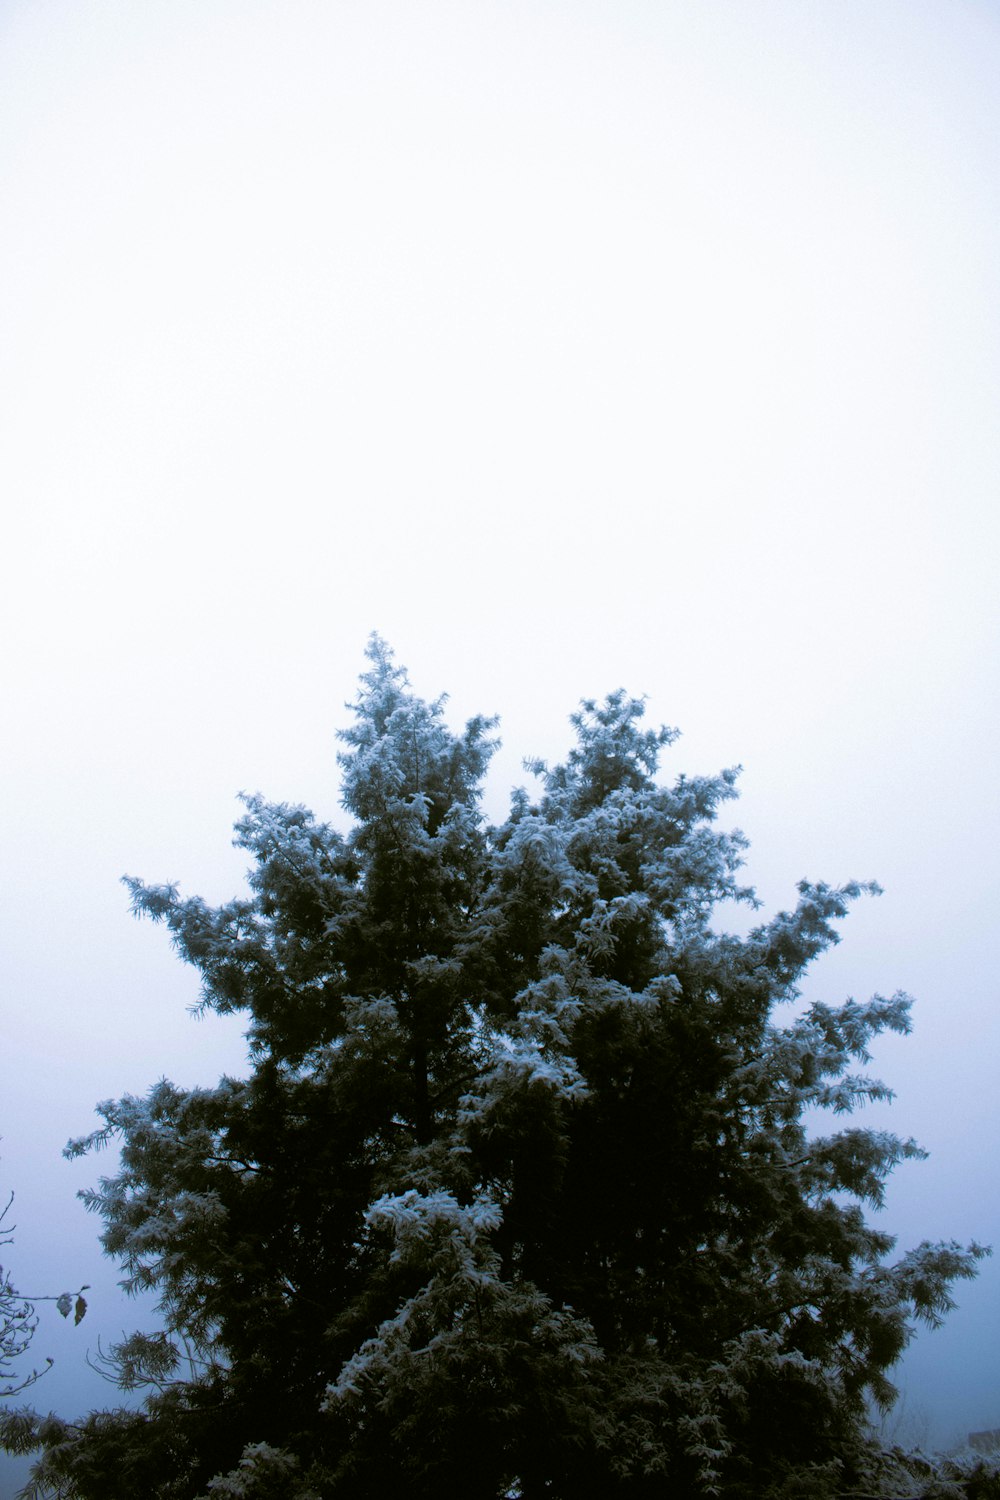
(520, 1196)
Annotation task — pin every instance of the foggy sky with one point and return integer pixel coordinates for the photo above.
(627, 342)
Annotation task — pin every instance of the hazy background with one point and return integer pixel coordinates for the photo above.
(569, 345)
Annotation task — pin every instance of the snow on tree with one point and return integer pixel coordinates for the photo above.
(521, 1195)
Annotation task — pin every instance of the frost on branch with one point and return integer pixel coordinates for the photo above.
(536, 1184)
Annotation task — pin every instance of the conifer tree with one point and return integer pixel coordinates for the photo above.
(522, 1194)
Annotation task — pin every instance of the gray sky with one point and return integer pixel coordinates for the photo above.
(568, 345)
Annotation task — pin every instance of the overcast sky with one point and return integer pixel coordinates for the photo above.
(569, 345)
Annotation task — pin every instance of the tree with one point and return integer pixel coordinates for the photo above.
(522, 1194)
(18, 1322)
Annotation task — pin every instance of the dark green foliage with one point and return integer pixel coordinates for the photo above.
(519, 1196)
